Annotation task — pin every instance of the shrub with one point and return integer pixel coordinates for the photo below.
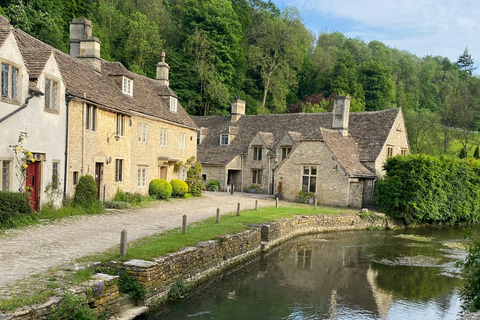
(14, 210)
(470, 293)
(160, 189)
(213, 185)
(131, 286)
(86, 191)
(130, 198)
(73, 307)
(179, 188)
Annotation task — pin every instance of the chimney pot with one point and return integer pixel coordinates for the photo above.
(238, 109)
(83, 45)
(162, 71)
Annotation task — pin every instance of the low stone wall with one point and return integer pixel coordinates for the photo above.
(193, 263)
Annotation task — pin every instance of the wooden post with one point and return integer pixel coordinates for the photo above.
(276, 202)
(238, 209)
(123, 242)
(231, 188)
(315, 204)
(218, 215)
(184, 224)
(256, 204)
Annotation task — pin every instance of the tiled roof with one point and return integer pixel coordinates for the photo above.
(369, 130)
(83, 82)
(268, 138)
(345, 149)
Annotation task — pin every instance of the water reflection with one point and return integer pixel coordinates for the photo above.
(343, 275)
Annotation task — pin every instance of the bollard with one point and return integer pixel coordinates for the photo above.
(231, 188)
(238, 209)
(123, 242)
(184, 224)
(218, 215)
(256, 204)
(276, 202)
(315, 204)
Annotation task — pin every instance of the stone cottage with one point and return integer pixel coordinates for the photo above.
(122, 128)
(335, 156)
(32, 101)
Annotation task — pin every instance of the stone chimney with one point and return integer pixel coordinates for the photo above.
(341, 111)
(162, 71)
(83, 45)
(238, 109)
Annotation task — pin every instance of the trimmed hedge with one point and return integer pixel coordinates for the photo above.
(86, 191)
(14, 210)
(427, 189)
(160, 189)
(179, 188)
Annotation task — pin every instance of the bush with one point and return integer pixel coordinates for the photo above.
(86, 191)
(73, 307)
(179, 188)
(160, 189)
(14, 210)
(130, 198)
(213, 185)
(426, 189)
(470, 293)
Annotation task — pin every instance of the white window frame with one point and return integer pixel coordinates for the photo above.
(120, 125)
(182, 141)
(173, 104)
(142, 177)
(55, 174)
(163, 137)
(91, 118)
(309, 173)
(52, 94)
(118, 170)
(127, 86)
(228, 139)
(11, 93)
(142, 132)
(6, 184)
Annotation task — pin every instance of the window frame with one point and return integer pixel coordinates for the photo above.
(127, 86)
(257, 175)
(142, 132)
(182, 140)
(75, 177)
(257, 152)
(91, 117)
(163, 137)
(6, 184)
(52, 95)
(389, 151)
(173, 104)
(228, 139)
(286, 151)
(12, 85)
(118, 170)
(141, 177)
(55, 174)
(120, 125)
(403, 151)
(309, 176)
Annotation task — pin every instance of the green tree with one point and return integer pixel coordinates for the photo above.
(423, 127)
(466, 62)
(378, 86)
(476, 154)
(462, 154)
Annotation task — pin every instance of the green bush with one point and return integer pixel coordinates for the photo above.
(73, 307)
(86, 191)
(427, 189)
(160, 189)
(470, 293)
(130, 198)
(213, 185)
(14, 210)
(179, 188)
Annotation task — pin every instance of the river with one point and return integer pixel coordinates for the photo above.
(403, 274)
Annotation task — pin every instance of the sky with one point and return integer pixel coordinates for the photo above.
(423, 27)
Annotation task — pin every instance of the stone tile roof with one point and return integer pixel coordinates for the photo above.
(345, 149)
(268, 138)
(83, 82)
(369, 130)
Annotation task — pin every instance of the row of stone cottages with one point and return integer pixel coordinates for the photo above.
(85, 115)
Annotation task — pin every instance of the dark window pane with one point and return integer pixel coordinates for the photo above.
(313, 171)
(47, 93)
(313, 184)
(94, 118)
(4, 80)
(14, 83)
(306, 170)
(305, 184)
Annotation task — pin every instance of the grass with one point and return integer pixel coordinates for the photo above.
(20, 300)
(170, 241)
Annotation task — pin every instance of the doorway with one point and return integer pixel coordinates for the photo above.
(163, 172)
(32, 183)
(98, 178)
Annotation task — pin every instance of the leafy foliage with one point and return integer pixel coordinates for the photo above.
(73, 307)
(194, 177)
(14, 210)
(470, 293)
(160, 189)
(213, 185)
(86, 191)
(426, 189)
(179, 188)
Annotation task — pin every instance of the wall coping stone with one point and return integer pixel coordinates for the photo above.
(140, 263)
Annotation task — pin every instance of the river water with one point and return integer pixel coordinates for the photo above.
(403, 274)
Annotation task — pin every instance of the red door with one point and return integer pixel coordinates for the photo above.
(32, 183)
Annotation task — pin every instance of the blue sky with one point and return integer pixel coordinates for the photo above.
(423, 27)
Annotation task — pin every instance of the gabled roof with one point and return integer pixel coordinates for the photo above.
(83, 82)
(5, 30)
(345, 149)
(268, 138)
(369, 130)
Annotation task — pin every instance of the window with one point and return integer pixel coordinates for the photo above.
(199, 138)
(403, 151)
(118, 169)
(75, 178)
(285, 152)
(389, 151)
(120, 125)
(55, 177)
(142, 132)
(257, 153)
(142, 177)
(51, 94)
(127, 87)
(182, 174)
(173, 104)
(5, 173)
(257, 176)
(224, 139)
(204, 177)
(91, 117)
(182, 141)
(163, 137)
(10, 82)
(309, 179)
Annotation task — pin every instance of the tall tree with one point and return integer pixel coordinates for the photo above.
(466, 62)
(378, 86)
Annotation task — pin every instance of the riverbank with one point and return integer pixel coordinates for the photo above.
(193, 265)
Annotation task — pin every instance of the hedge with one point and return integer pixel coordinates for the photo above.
(427, 189)
(86, 191)
(160, 189)
(179, 188)
(14, 209)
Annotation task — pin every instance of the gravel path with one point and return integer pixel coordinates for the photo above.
(34, 249)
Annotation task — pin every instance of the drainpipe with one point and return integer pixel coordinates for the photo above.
(67, 104)
(32, 94)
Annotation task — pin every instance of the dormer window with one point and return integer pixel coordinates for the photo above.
(173, 104)
(224, 139)
(127, 87)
